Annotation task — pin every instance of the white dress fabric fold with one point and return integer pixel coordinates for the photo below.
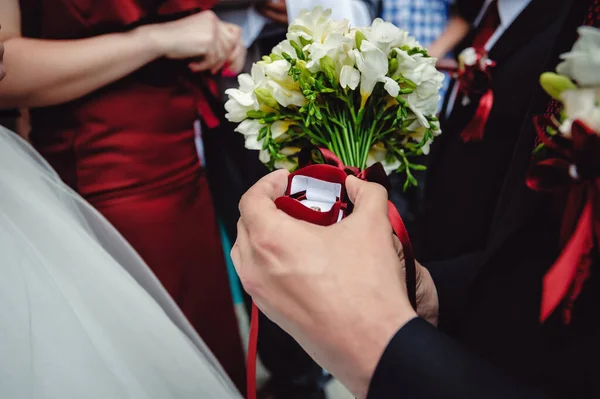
(81, 315)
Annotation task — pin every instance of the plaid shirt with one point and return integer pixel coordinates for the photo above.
(423, 19)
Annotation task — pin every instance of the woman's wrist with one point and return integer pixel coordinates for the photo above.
(148, 37)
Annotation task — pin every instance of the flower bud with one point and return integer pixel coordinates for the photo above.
(555, 84)
(265, 97)
(328, 66)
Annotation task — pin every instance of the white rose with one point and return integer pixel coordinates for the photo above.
(583, 105)
(582, 63)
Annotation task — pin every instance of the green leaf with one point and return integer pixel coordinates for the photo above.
(418, 167)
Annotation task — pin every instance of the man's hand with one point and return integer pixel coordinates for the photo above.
(427, 297)
(275, 10)
(338, 290)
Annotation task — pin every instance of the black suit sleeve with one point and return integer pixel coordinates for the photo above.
(452, 280)
(421, 362)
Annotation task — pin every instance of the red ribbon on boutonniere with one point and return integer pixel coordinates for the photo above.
(576, 167)
(340, 206)
(474, 78)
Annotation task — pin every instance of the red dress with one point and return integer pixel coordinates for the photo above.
(129, 149)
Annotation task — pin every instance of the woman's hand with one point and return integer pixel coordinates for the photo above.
(275, 10)
(237, 59)
(202, 37)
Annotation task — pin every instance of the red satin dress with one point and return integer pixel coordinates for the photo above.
(129, 150)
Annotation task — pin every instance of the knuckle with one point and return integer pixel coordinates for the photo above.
(210, 14)
(264, 239)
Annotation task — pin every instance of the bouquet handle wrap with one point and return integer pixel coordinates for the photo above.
(334, 173)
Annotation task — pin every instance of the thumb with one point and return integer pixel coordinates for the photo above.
(369, 199)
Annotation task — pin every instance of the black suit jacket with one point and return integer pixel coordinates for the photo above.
(501, 239)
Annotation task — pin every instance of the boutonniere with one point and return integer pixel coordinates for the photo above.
(474, 79)
(474, 73)
(568, 158)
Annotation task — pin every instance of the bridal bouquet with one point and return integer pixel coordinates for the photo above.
(367, 95)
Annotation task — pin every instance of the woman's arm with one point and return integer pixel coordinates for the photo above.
(49, 72)
(456, 29)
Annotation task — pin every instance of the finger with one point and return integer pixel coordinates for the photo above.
(276, 16)
(257, 206)
(279, 6)
(369, 199)
(208, 64)
(237, 60)
(398, 247)
(241, 252)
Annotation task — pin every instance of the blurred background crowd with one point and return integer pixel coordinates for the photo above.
(139, 130)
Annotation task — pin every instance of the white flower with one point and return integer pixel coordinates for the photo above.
(287, 163)
(387, 36)
(373, 66)
(286, 97)
(378, 153)
(582, 63)
(417, 68)
(424, 101)
(264, 156)
(284, 47)
(315, 25)
(336, 46)
(244, 99)
(418, 135)
(250, 128)
(278, 71)
(583, 105)
(467, 57)
(420, 70)
(349, 77)
(279, 128)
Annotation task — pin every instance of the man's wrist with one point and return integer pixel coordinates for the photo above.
(363, 346)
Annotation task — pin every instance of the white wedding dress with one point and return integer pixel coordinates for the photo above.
(81, 315)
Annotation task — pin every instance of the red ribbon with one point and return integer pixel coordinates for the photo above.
(375, 174)
(577, 169)
(475, 81)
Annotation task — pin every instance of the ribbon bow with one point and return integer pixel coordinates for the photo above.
(577, 169)
(474, 78)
